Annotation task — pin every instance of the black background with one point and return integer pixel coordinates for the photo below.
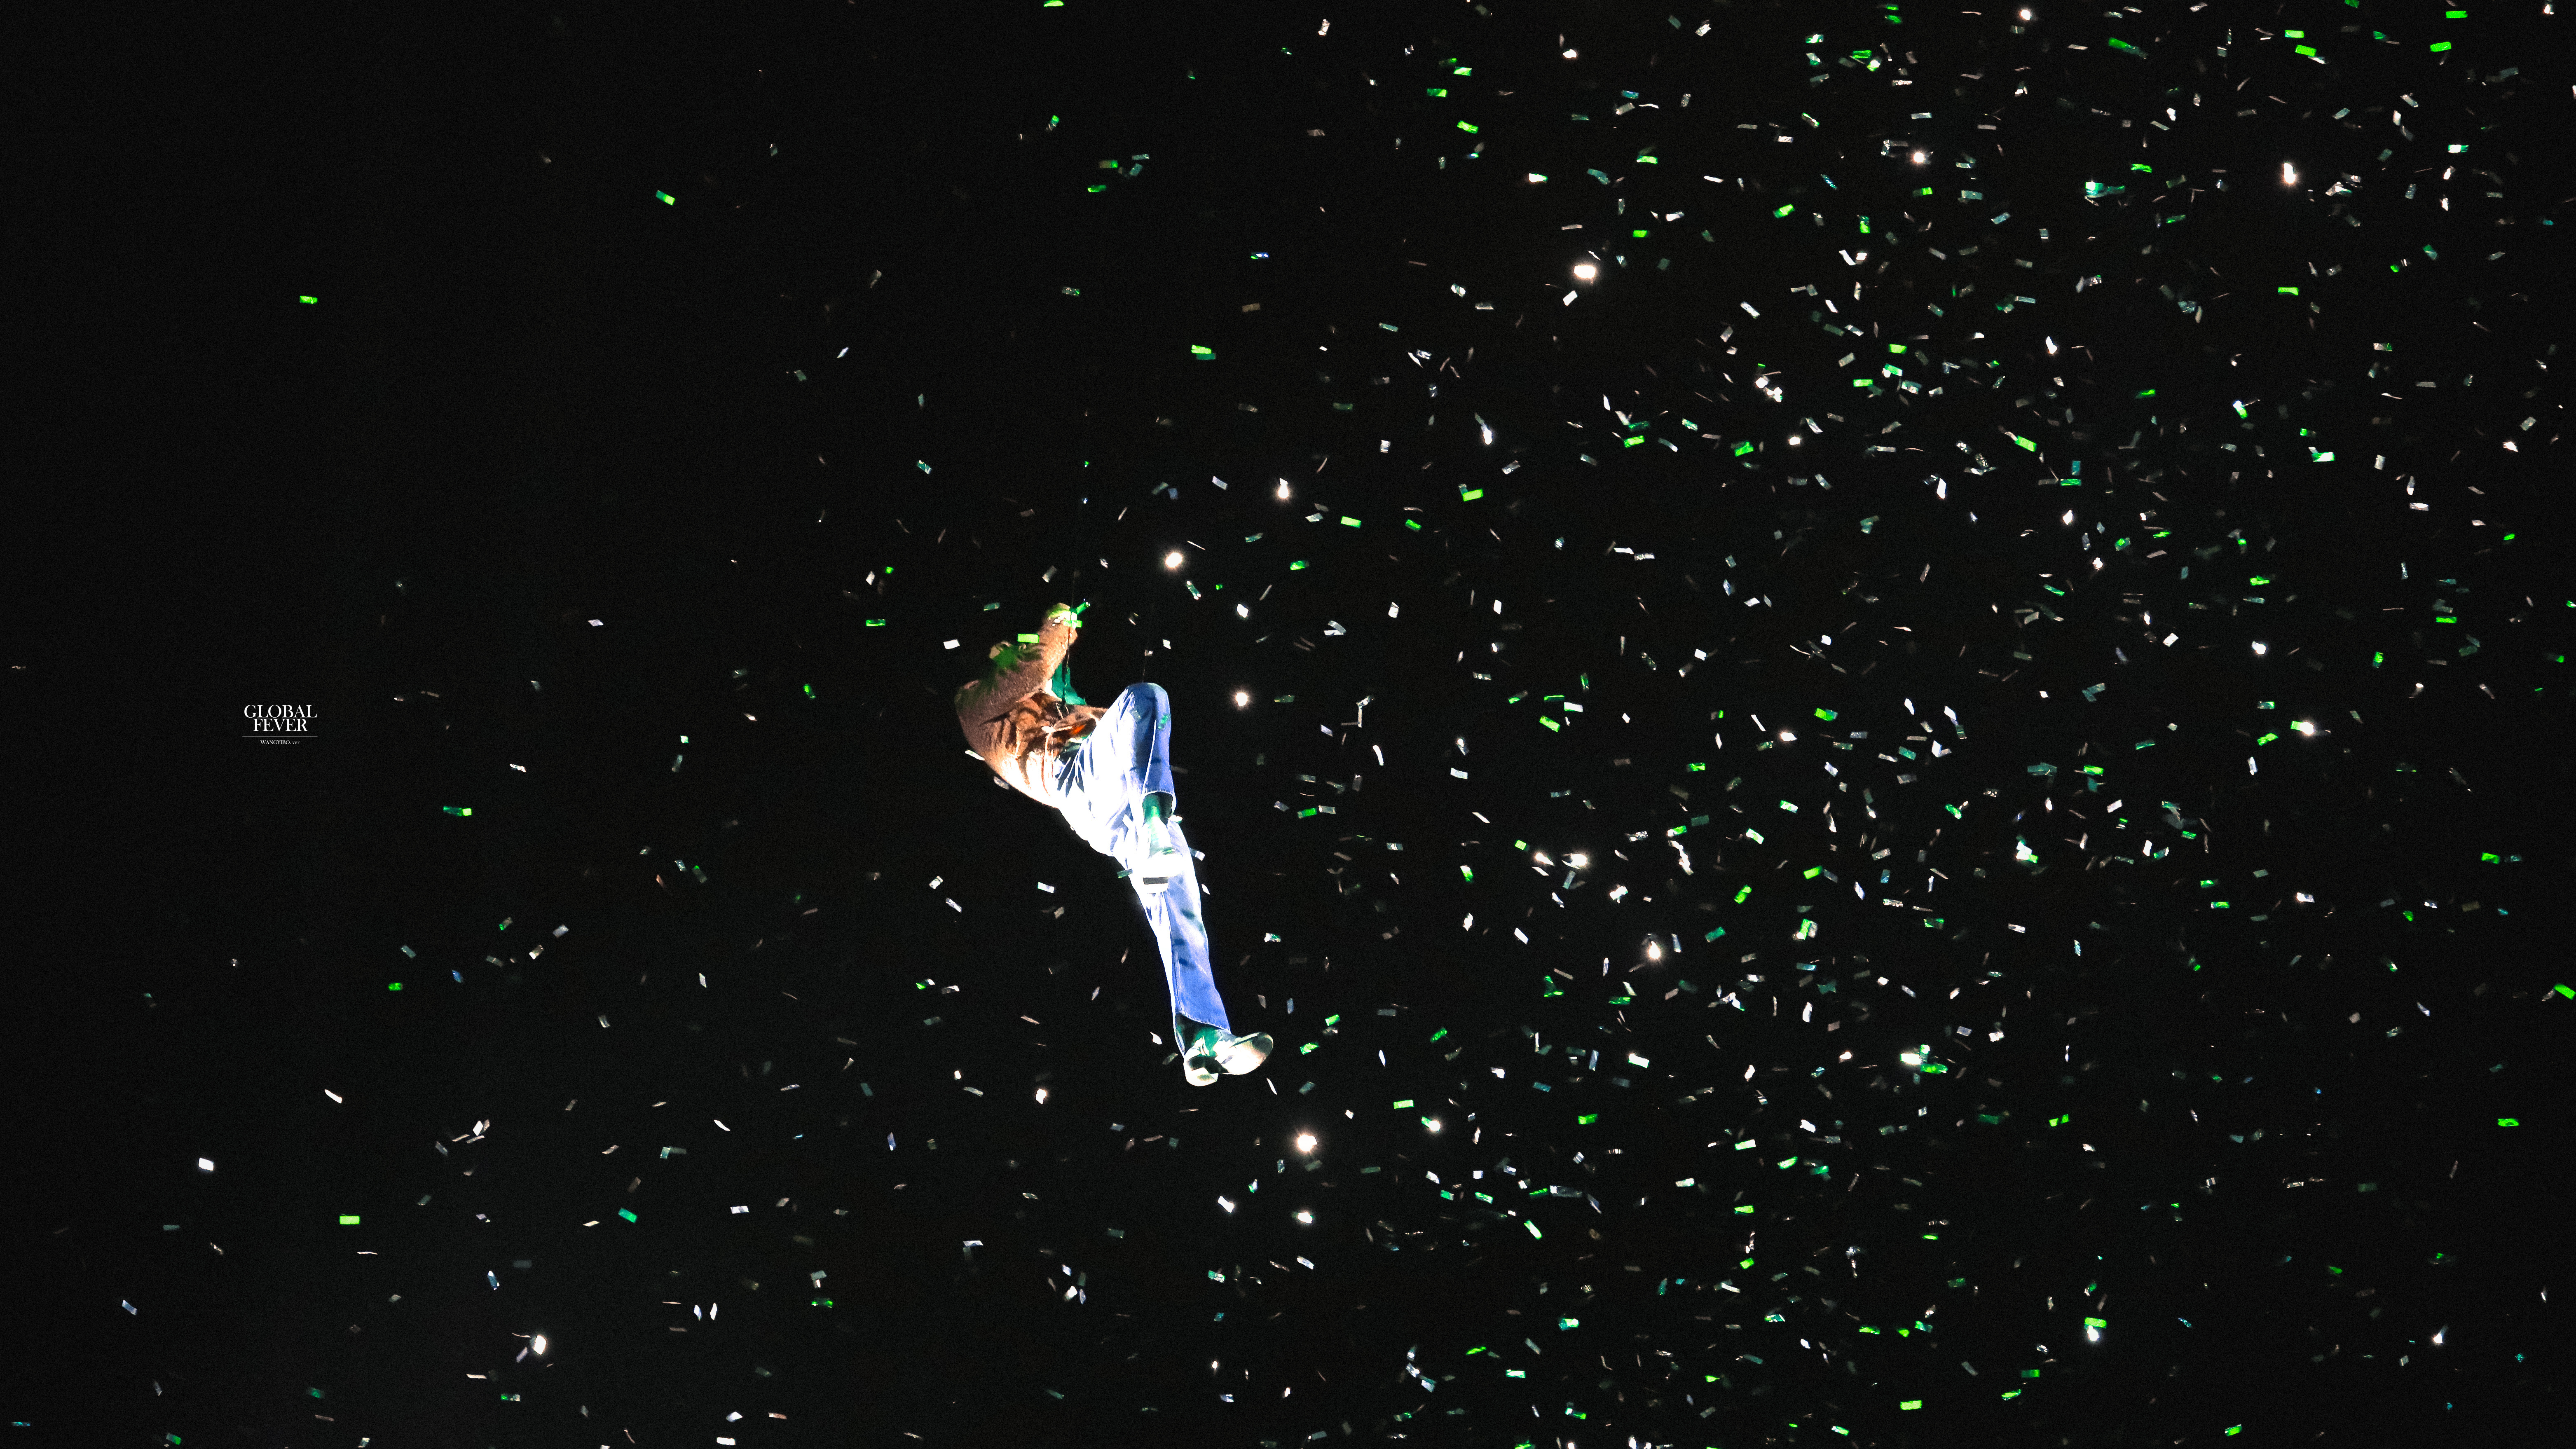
(529, 395)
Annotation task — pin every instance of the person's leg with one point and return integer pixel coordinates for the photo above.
(1180, 934)
(1103, 779)
(1121, 778)
(1151, 711)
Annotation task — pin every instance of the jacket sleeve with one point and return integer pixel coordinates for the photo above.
(1023, 669)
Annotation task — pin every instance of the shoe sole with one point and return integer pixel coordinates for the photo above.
(1261, 1054)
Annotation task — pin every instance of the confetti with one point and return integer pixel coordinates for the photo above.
(2179, 404)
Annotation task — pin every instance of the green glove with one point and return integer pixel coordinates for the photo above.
(1062, 686)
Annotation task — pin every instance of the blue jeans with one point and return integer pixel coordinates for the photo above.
(1104, 782)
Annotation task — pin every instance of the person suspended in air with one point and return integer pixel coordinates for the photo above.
(1108, 771)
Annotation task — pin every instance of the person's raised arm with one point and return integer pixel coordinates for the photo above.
(1025, 667)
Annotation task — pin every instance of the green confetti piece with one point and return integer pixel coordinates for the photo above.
(348, 1220)
(665, 198)
(1350, 523)
(1910, 1404)
(1588, 1118)
(309, 301)
(626, 1213)
(2508, 1121)
(456, 809)
(393, 986)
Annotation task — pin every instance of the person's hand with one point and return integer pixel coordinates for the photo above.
(1064, 614)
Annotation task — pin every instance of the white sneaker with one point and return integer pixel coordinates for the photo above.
(1240, 1054)
(1211, 1051)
